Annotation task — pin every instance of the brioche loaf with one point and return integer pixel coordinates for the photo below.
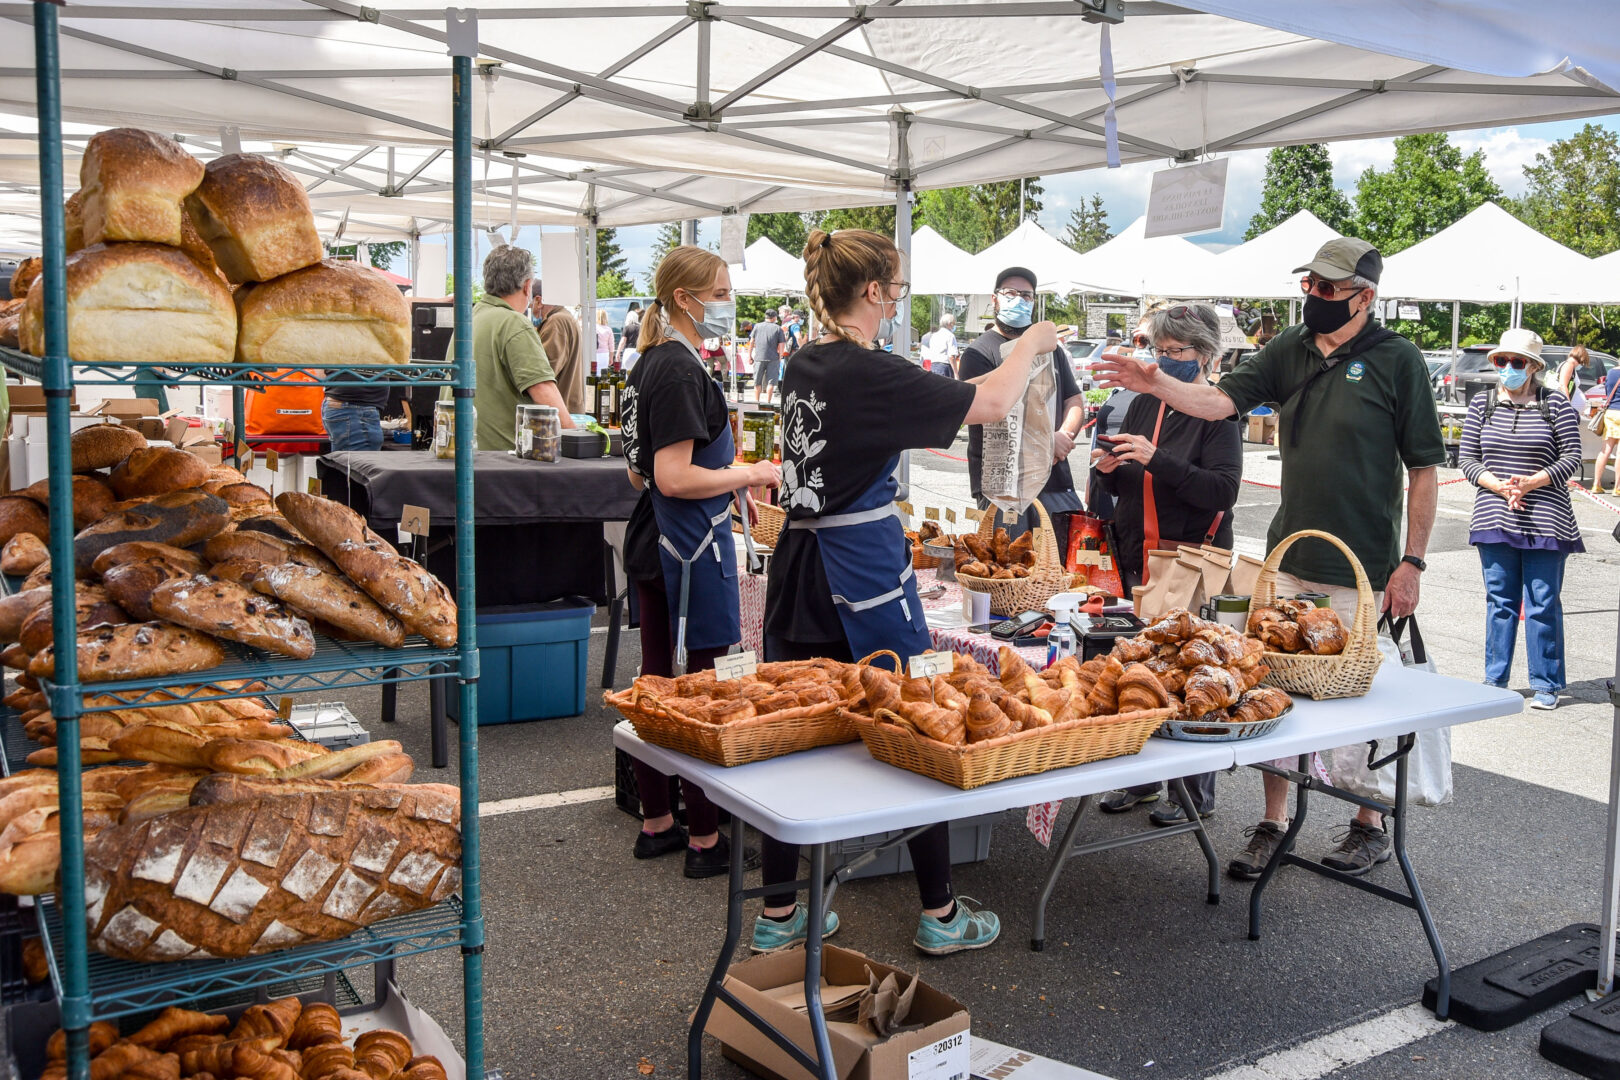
(245, 878)
(101, 446)
(333, 600)
(20, 515)
(133, 184)
(157, 470)
(92, 498)
(138, 303)
(255, 216)
(135, 651)
(235, 613)
(27, 272)
(180, 518)
(137, 550)
(332, 311)
(23, 554)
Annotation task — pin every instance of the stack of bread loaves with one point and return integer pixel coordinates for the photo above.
(157, 243)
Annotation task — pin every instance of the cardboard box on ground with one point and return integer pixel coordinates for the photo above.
(773, 984)
(1260, 428)
(24, 459)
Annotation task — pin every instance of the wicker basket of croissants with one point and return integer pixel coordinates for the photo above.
(780, 709)
(1328, 660)
(1020, 575)
(970, 728)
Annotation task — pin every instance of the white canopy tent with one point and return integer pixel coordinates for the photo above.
(1133, 264)
(767, 270)
(1263, 268)
(939, 267)
(1491, 257)
(1054, 263)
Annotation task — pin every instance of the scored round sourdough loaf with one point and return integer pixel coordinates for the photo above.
(157, 470)
(102, 446)
(92, 498)
(23, 554)
(21, 515)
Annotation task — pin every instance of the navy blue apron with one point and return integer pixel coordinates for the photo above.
(868, 564)
(699, 559)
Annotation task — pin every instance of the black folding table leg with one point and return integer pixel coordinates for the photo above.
(1060, 855)
(1214, 895)
(610, 653)
(1301, 805)
(1442, 998)
(700, 1019)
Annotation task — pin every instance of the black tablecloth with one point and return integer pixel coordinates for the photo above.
(507, 490)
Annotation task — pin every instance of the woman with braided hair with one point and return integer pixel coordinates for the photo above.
(841, 584)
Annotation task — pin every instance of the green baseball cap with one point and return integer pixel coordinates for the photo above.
(1345, 257)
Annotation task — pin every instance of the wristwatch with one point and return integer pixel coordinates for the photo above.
(1415, 561)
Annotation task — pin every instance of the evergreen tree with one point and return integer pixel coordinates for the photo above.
(1299, 178)
(667, 240)
(955, 215)
(1429, 186)
(1088, 225)
(609, 256)
(999, 204)
(614, 283)
(879, 219)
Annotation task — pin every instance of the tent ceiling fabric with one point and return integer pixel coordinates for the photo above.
(677, 110)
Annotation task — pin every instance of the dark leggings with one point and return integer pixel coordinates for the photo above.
(930, 849)
(658, 658)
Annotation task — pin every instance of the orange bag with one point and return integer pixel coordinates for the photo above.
(285, 410)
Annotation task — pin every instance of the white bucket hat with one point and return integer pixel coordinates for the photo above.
(1519, 342)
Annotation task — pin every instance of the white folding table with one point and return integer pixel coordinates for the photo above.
(837, 793)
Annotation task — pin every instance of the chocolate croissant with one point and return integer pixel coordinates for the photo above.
(1323, 631)
(1197, 652)
(1262, 704)
(1139, 689)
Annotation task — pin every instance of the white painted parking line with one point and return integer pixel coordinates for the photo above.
(544, 802)
(1336, 1050)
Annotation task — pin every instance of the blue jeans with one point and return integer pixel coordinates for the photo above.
(1534, 578)
(352, 427)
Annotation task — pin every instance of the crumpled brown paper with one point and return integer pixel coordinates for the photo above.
(885, 1007)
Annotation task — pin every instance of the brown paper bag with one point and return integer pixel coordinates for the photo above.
(1184, 585)
(1217, 571)
(1245, 572)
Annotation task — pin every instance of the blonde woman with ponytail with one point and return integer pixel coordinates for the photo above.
(841, 583)
(678, 548)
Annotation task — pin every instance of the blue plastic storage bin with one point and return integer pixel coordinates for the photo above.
(531, 662)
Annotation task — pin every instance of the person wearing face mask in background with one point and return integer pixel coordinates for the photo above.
(1015, 307)
(1357, 418)
(678, 548)
(1111, 415)
(1173, 479)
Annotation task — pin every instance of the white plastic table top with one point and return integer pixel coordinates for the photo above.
(839, 792)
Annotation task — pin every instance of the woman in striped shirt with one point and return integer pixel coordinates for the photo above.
(1521, 445)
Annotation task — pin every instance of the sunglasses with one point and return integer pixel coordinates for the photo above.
(1310, 285)
(1517, 362)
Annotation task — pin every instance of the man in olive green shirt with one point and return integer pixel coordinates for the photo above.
(510, 362)
(1354, 406)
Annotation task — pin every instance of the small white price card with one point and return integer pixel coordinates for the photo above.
(927, 665)
(735, 665)
(1009, 515)
(931, 513)
(947, 1059)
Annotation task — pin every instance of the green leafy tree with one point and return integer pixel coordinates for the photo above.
(614, 283)
(787, 230)
(1429, 186)
(955, 215)
(1573, 194)
(1299, 178)
(667, 240)
(609, 258)
(1088, 225)
(450, 288)
(385, 254)
(879, 219)
(999, 204)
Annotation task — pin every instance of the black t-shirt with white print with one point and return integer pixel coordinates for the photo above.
(669, 397)
(845, 412)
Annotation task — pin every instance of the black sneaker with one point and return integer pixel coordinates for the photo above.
(1172, 814)
(716, 860)
(1117, 802)
(1360, 849)
(651, 845)
(1264, 840)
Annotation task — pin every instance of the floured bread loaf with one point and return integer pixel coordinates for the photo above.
(255, 216)
(245, 878)
(135, 651)
(404, 587)
(228, 610)
(332, 312)
(333, 600)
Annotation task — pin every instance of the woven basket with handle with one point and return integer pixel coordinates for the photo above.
(1349, 674)
(755, 738)
(768, 529)
(1022, 753)
(1047, 578)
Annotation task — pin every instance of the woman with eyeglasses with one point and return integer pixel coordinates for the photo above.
(1174, 479)
(1521, 444)
(841, 584)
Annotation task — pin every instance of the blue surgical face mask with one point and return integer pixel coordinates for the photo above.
(1184, 370)
(1015, 313)
(888, 323)
(1513, 378)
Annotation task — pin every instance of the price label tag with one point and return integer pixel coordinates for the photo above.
(950, 515)
(931, 513)
(243, 454)
(735, 665)
(906, 508)
(272, 461)
(973, 515)
(927, 665)
(284, 708)
(948, 1059)
(314, 485)
(414, 520)
(1009, 516)
(1107, 563)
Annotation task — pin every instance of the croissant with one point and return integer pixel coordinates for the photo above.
(961, 556)
(966, 664)
(236, 1056)
(381, 1054)
(1252, 651)
(1000, 547)
(318, 1023)
(1104, 697)
(188, 1043)
(1292, 608)
(1024, 715)
(426, 1067)
(1140, 689)
(1013, 668)
(175, 1023)
(1134, 650)
(1066, 672)
(1019, 570)
(326, 1060)
(974, 569)
(1061, 705)
(1022, 548)
(117, 1060)
(882, 688)
(1265, 703)
(1259, 616)
(941, 725)
(102, 1035)
(1176, 625)
(1282, 637)
(156, 1067)
(985, 720)
(1208, 689)
(947, 696)
(1197, 652)
(1253, 676)
(1323, 631)
(1003, 574)
(916, 690)
(977, 548)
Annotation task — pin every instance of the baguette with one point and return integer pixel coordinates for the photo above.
(258, 757)
(338, 762)
(386, 769)
(230, 611)
(135, 651)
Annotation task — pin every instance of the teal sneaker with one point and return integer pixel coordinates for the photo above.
(968, 929)
(773, 936)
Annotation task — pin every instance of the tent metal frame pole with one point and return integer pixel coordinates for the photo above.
(587, 287)
(1456, 323)
(1233, 141)
(1611, 854)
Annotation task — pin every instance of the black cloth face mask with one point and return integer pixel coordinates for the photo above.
(1326, 316)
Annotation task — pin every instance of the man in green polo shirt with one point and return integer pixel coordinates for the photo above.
(509, 360)
(1356, 418)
